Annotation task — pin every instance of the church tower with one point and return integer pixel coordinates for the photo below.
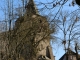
(39, 34)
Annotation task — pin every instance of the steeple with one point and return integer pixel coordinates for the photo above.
(31, 8)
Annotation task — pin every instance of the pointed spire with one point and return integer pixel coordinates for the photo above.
(31, 8)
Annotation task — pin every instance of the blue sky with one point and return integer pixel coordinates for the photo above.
(58, 51)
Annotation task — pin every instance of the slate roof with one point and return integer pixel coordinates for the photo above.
(68, 52)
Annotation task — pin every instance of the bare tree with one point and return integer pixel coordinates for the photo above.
(68, 26)
(31, 33)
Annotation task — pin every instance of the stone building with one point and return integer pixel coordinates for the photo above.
(69, 55)
(40, 29)
(30, 36)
